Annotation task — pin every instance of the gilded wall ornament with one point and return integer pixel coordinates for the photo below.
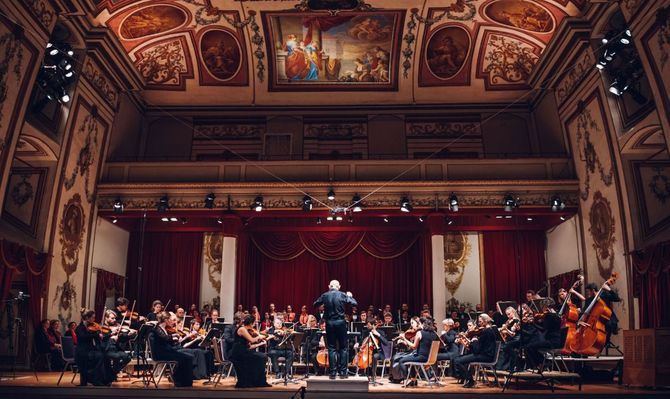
(12, 53)
(457, 250)
(213, 258)
(508, 60)
(107, 90)
(602, 232)
(71, 234)
(65, 296)
(587, 153)
(86, 158)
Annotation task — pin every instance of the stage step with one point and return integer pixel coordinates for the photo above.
(325, 384)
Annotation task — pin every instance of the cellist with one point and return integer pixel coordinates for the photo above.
(608, 296)
(380, 338)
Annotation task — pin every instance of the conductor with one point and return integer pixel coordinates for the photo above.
(336, 327)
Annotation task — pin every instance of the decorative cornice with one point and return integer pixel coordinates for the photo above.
(92, 72)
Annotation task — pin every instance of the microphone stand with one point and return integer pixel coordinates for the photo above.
(11, 322)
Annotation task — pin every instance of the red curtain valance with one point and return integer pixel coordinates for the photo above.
(19, 258)
(333, 245)
(651, 284)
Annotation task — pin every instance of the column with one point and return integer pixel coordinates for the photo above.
(228, 277)
(439, 291)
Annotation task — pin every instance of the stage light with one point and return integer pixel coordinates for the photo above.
(318, 220)
(626, 37)
(557, 204)
(405, 205)
(530, 219)
(356, 200)
(499, 216)
(338, 218)
(386, 220)
(163, 204)
(508, 216)
(563, 218)
(331, 194)
(114, 220)
(173, 219)
(165, 219)
(219, 220)
(65, 98)
(330, 218)
(450, 221)
(209, 200)
(258, 204)
(420, 218)
(307, 204)
(118, 206)
(509, 203)
(453, 203)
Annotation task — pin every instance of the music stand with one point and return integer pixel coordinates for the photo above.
(357, 326)
(288, 343)
(143, 337)
(219, 326)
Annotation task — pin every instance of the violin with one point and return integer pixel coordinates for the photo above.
(94, 327)
(507, 330)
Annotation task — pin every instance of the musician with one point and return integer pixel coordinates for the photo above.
(421, 348)
(312, 342)
(88, 354)
(112, 340)
(380, 338)
(575, 297)
(180, 313)
(156, 309)
(122, 309)
(70, 332)
(540, 331)
(275, 351)
(203, 360)
(530, 296)
(290, 314)
(363, 317)
(249, 364)
(304, 315)
(406, 339)
(449, 349)
(388, 320)
(511, 340)
(215, 316)
(608, 296)
(333, 302)
(483, 349)
(164, 346)
(320, 313)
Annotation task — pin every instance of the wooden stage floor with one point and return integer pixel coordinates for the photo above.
(26, 387)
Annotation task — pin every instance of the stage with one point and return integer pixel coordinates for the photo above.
(25, 386)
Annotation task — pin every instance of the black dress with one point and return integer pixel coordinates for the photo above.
(163, 348)
(249, 364)
(90, 359)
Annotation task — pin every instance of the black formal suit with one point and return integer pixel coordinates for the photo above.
(275, 352)
(449, 349)
(336, 328)
(163, 348)
(483, 349)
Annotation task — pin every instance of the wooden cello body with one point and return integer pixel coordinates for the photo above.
(569, 317)
(322, 358)
(591, 335)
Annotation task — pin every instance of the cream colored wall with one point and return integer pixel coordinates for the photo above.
(563, 249)
(110, 252)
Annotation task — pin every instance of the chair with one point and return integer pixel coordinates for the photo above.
(67, 354)
(555, 358)
(220, 361)
(160, 367)
(483, 366)
(432, 359)
(387, 350)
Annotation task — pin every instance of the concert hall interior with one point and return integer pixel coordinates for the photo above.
(334, 198)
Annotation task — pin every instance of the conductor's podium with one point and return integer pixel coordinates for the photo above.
(325, 384)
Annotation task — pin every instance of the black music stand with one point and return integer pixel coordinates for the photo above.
(142, 364)
(289, 343)
(308, 334)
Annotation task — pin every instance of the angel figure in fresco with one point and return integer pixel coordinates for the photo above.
(313, 59)
(221, 59)
(446, 57)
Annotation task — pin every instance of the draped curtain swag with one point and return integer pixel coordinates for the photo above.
(107, 281)
(651, 281)
(18, 258)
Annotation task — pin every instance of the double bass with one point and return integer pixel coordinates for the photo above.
(569, 314)
(590, 337)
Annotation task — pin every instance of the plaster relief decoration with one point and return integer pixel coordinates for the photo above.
(629, 8)
(165, 64)
(442, 129)
(23, 199)
(652, 186)
(43, 12)
(462, 267)
(71, 237)
(211, 268)
(335, 130)
(233, 130)
(587, 126)
(580, 68)
(602, 228)
(88, 134)
(656, 44)
(506, 61)
(319, 51)
(100, 81)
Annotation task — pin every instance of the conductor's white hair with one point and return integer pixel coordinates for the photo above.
(334, 284)
(448, 322)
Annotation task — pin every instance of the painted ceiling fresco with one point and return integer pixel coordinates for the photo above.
(205, 52)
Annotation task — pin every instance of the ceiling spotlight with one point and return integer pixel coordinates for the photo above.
(330, 218)
(356, 200)
(530, 219)
(510, 203)
(508, 216)
(338, 218)
(52, 50)
(163, 204)
(118, 205)
(405, 205)
(209, 200)
(331, 194)
(165, 219)
(563, 218)
(258, 204)
(557, 204)
(219, 220)
(65, 98)
(626, 37)
(307, 204)
(421, 219)
(173, 219)
(450, 221)
(386, 220)
(453, 203)
(114, 220)
(499, 216)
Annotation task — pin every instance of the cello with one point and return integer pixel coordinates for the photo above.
(363, 358)
(590, 337)
(569, 314)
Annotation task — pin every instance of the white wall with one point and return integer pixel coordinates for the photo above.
(110, 252)
(563, 248)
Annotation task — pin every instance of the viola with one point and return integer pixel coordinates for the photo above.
(94, 327)
(591, 336)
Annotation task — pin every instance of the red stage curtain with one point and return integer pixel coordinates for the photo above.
(651, 279)
(514, 262)
(563, 280)
(18, 258)
(379, 270)
(106, 281)
(171, 264)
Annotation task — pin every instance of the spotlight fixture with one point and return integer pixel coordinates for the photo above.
(165, 219)
(421, 219)
(56, 74)
(626, 37)
(405, 205)
(307, 204)
(330, 218)
(114, 220)
(530, 219)
(557, 204)
(338, 218)
(258, 204)
(173, 219)
(563, 218)
(219, 220)
(163, 204)
(510, 203)
(209, 200)
(386, 220)
(453, 203)
(331, 194)
(450, 221)
(356, 200)
(118, 205)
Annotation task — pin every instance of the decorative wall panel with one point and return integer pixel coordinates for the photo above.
(212, 263)
(462, 275)
(652, 185)
(23, 199)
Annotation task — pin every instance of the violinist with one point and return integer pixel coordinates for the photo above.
(228, 336)
(511, 340)
(422, 342)
(409, 340)
(544, 333)
(113, 335)
(483, 349)
(276, 349)
(156, 309)
(132, 318)
(88, 354)
(575, 297)
(375, 347)
(163, 345)
(203, 360)
(249, 364)
(449, 349)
